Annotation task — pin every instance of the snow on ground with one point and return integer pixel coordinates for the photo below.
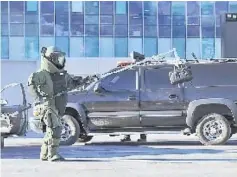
(162, 156)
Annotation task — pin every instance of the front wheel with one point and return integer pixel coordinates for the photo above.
(213, 129)
(70, 130)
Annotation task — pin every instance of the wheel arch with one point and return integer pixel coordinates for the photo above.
(198, 108)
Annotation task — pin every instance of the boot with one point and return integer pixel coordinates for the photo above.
(126, 138)
(53, 151)
(142, 138)
(44, 152)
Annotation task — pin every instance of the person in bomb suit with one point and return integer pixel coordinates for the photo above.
(48, 87)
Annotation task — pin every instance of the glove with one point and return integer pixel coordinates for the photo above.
(37, 109)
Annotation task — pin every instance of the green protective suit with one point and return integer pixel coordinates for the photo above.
(43, 85)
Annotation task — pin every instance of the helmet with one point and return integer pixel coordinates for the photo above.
(54, 55)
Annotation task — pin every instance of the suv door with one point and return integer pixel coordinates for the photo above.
(117, 105)
(161, 103)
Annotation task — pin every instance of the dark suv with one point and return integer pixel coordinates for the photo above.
(142, 99)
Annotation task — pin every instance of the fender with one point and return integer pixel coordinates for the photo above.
(81, 112)
(191, 119)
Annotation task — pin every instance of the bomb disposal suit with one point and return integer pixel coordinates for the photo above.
(49, 87)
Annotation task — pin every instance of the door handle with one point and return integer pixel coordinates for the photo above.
(173, 96)
(131, 97)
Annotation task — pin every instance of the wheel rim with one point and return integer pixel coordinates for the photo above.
(66, 131)
(213, 130)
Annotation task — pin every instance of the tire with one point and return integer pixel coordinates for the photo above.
(85, 139)
(70, 132)
(203, 131)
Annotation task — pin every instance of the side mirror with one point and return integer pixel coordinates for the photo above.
(180, 75)
(3, 102)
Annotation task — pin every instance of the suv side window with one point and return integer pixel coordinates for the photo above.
(125, 80)
(156, 79)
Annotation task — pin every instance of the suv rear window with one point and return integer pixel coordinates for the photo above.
(157, 78)
(125, 80)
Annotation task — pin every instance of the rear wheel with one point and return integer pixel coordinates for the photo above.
(70, 130)
(213, 129)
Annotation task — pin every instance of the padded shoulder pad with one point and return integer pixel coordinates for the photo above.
(36, 78)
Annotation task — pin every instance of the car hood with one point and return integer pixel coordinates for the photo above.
(77, 96)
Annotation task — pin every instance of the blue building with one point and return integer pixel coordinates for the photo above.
(111, 29)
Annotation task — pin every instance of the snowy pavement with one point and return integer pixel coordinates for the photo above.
(163, 155)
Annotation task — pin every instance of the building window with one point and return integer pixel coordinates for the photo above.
(178, 20)
(221, 7)
(135, 8)
(135, 44)
(164, 31)
(135, 30)
(106, 47)
(91, 47)
(164, 45)
(121, 7)
(17, 46)
(164, 7)
(208, 47)
(31, 6)
(63, 44)
(164, 20)
(178, 8)
(4, 48)
(207, 8)
(121, 30)
(121, 19)
(150, 31)
(150, 8)
(179, 31)
(106, 7)
(106, 30)
(193, 31)
(76, 47)
(31, 30)
(91, 30)
(47, 18)
(150, 47)
(106, 19)
(4, 29)
(31, 47)
(179, 44)
(62, 15)
(77, 6)
(92, 7)
(193, 46)
(47, 41)
(91, 19)
(193, 8)
(232, 6)
(150, 20)
(121, 47)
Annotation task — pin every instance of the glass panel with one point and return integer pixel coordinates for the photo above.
(106, 7)
(4, 48)
(150, 7)
(106, 47)
(165, 31)
(164, 7)
(4, 18)
(91, 47)
(121, 47)
(47, 19)
(164, 20)
(208, 47)
(31, 30)
(121, 7)
(178, 8)
(77, 30)
(193, 45)
(4, 7)
(91, 30)
(32, 6)
(207, 8)
(218, 20)
(179, 31)
(232, 7)
(47, 7)
(77, 6)
(193, 8)
(121, 19)
(106, 19)
(91, 19)
(16, 18)
(77, 18)
(135, 30)
(46, 41)
(92, 7)
(135, 44)
(121, 30)
(164, 45)
(193, 21)
(193, 31)
(32, 47)
(150, 47)
(106, 30)
(135, 7)
(179, 44)
(61, 7)
(208, 20)
(47, 30)
(221, 7)
(76, 47)
(62, 30)
(178, 20)
(208, 32)
(63, 44)
(16, 7)
(4, 29)
(150, 31)
(217, 48)
(150, 20)
(218, 32)
(17, 29)
(32, 18)
(17, 46)
(135, 20)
